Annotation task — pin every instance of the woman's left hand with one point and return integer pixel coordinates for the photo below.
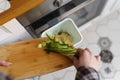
(4, 63)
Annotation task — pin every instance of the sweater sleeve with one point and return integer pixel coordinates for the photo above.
(86, 73)
(4, 76)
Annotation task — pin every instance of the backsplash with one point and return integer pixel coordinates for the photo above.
(4, 5)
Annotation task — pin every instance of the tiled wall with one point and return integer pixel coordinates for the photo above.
(102, 37)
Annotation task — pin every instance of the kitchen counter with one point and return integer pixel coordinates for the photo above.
(18, 7)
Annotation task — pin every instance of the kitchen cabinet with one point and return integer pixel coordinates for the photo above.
(4, 33)
(13, 31)
(111, 6)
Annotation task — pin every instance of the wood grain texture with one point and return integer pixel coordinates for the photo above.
(29, 61)
(18, 7)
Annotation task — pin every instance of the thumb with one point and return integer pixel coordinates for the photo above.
(4, 63)
(98, 58)
(70, 57)
(75, 62)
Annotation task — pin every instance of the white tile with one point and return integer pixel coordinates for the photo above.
(92, 28)
(64, 74)
(100, 65)
(114, 36)
(103, 31)
(84, 44)
(113, 16)
(110, 79)
(102, 21)
(101, 78)
(91, 37)
(70, 75)
(114, 25)
(46, 77)
(94, 48)
(71, 68)
(116, 63)
(117, 76)
(115, 49)
(58, 78)
(109, 75)
(104, 43)
(60, 73)
(119, 14)
(84, 32)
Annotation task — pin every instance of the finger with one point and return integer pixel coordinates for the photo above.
(4, 63)
(89, 51)
(76, 62)
(98, 58)
(70, 57)
(86, 54)
(80, 50)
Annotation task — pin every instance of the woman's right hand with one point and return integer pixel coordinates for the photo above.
(4, 63)
(87, 58)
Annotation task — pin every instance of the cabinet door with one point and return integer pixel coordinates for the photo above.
(17, 32)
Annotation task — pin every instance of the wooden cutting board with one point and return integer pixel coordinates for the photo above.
(29, 61)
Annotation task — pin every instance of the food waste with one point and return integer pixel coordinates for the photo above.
(53, 44)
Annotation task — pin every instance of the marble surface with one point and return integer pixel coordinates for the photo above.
(101, 34)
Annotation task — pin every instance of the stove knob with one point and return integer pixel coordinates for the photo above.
(57, 3)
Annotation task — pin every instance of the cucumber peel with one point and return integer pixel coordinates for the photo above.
(58, 46)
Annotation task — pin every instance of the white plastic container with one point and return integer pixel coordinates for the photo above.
(67, 25)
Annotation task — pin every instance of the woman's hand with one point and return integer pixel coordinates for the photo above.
(86, 58)
(4, 76)
(4, 63)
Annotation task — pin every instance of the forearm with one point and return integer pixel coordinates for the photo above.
(87, 73)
